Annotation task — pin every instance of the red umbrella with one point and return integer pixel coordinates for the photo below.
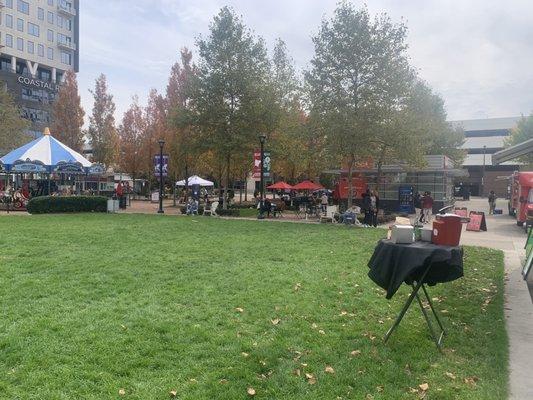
(307, 185)
(280, 186)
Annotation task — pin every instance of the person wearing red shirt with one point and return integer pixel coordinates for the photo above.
(427, 207)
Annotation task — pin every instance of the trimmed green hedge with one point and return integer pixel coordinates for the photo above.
(66, 204)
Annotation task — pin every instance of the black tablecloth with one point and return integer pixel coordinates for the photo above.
(392, 264)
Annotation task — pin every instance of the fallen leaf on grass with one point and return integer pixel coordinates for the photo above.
(245, 354)
(321, 331)
(424, 387)
(239, 309)
(343, 313)
(173, 393)
(121, 392)
(471, 380)
(275, 321)
(450, 375)
(251, 391)
(297, 372)
(355, 353)
(297, 287)
(223, 381)
(310, 379)
(329, 369)
(380, 389)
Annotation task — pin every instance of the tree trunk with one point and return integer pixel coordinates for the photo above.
(380, 168)
(174, 190)
(226, 186)
(350, 180)
(246, 186)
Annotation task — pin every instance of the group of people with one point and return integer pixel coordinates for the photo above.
(423, 208)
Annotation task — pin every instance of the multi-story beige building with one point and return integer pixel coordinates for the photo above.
(39, 41)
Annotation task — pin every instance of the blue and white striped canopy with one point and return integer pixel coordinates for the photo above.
(47, 151)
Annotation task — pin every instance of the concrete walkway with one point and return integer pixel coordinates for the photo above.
(504, 234)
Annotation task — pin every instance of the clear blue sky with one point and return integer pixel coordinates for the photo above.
(478, 54)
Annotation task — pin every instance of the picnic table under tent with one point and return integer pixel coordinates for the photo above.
(46, 158)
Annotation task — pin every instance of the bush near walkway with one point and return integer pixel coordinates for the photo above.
(66, 204)
(209, 308)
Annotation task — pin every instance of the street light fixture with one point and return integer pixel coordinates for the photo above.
(262, 139)
(161, 144)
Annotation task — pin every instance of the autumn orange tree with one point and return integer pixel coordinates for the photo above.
(132, 133)
(68, 113)
(181, 128)
(102, 131)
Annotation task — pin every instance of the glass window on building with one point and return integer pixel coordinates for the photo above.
(50, 17)
(33, 29)
(20, 25)
(51, 3)
(40, 13)
(50, 53)
(63, 39)
(40, 50)
(9, 21)
(31, 47)
(23, 7)
(68, 24)
(9, 40)
(5, 64)
(45, 75)
(50, 35)
(66, 58)
(20, 44)
(60, 21)
(9, 3)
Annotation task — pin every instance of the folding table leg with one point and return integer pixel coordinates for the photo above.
(437, 340)
(433, 310)
(406, 306)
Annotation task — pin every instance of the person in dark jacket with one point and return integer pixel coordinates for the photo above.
(367, 205)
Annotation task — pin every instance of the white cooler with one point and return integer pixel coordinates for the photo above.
(402, 234)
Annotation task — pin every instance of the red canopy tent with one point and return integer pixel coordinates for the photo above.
(307, 185)
(280, 186)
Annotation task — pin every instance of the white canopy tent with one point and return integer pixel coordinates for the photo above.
(195, 180)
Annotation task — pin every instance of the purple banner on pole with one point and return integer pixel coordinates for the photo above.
(157, 165)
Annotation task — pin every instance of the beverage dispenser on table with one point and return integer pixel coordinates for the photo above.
(447, 230)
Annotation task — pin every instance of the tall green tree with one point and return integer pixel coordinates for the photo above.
(359, 73)
(102, 130)
(68, 113)
(12, 125)
(522, 132)
(415, 128)
(233, 72)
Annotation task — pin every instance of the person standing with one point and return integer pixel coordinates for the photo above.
(374, 208)
(417, 203)
(427, 206)
(492, 202)
(324, 200)
(367, 205)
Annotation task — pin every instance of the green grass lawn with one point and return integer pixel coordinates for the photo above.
(92, 304)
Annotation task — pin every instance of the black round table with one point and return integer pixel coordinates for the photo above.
(415, 264)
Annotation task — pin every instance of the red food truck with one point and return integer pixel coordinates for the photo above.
(341, 190)
(521, 198)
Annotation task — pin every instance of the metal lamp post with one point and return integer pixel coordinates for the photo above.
(483, 173)
(161, 144)
(262, 139)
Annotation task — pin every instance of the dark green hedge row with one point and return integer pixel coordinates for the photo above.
(67, 204)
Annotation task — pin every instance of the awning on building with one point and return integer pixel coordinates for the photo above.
(513, 152)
